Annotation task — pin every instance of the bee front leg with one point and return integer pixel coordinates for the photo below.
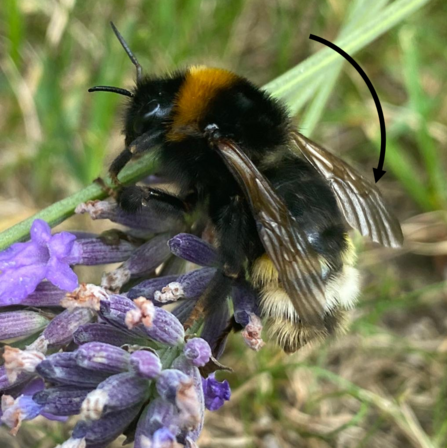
(133, 198)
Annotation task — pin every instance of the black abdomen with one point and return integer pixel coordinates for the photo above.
(312, 203)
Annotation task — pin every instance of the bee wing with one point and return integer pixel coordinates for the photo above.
(286, 244)
(359, 200)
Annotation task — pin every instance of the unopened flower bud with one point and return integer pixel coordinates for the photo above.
(62, 400)
(147, 288)
(117, 392)
(190, 402)
(159, 414)
(160, 325)
(102, 357)
(99, 433)
(169, 383)
(20, 324)
(145, 364)
(245, 302)
(94, 251)
(106, 333)
(143, 261)
(46, 294)
(162, 438)
(6, 385)
(187, 286)
(197, 351)
(59, 331)
(114, 311)
(62, 368)
(193, 249)
(147, 219)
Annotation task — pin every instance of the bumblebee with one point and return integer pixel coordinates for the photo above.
(279, 204)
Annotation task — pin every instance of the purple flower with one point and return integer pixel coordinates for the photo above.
(17, 410)
(215, 392)
(24, 265)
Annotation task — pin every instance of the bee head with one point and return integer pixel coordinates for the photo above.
(151, 100)
(151, 105)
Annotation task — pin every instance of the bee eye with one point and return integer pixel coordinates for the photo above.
(146, 114)
(150, 109)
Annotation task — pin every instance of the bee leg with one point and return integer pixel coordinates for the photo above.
(119, 163)
(139, 146)
(133, 198)
(233, 224)
(110, 191)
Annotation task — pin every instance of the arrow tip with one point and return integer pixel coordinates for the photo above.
(378, 173)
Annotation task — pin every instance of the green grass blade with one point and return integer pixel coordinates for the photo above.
(437, 186)
(361, 12)
(317, 64)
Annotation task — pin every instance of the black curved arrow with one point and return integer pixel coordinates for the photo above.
(378, 172)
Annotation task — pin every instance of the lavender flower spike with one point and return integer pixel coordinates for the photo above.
(192, 248)
(24, 265)
(20, 324)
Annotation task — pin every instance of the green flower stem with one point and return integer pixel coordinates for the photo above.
(59, 211)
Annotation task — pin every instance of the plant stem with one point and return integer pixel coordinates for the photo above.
(59, 211)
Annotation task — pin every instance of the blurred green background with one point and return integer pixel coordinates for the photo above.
(382, 385)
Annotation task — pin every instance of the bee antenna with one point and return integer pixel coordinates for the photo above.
(111, 89)
(128, 51)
